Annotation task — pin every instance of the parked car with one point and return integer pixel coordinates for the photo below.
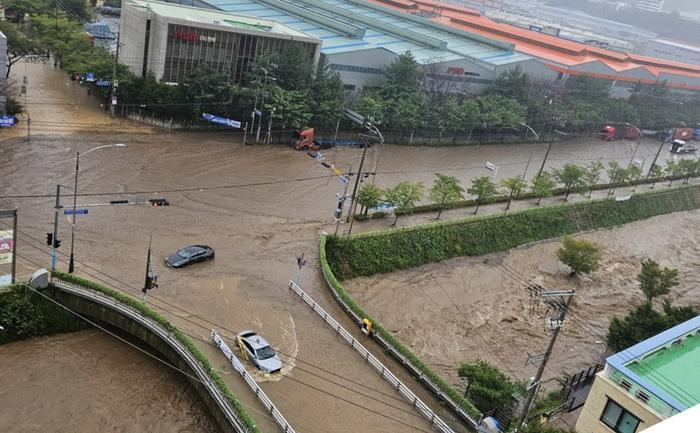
(189, 255)
(259, 352)
(680, 146)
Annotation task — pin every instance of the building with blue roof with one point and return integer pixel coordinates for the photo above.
(646, 383)
(360, 38)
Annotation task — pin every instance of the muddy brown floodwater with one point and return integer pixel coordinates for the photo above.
(259, 207)
(89, 382)
(479, 307)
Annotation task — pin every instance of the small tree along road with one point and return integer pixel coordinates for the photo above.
(403, 197)
(582, 256)
(446, 191)
(543, 186)
(482, 189)
(514, 186)
(369, 196)
(572, 177)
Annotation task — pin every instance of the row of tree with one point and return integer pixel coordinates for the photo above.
(447, 191)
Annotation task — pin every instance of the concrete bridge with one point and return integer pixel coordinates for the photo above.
(103, 308)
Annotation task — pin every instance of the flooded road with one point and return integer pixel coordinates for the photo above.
(89, 382)
(259, 207)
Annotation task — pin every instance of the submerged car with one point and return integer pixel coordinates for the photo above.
(259, 352)
(189, 255)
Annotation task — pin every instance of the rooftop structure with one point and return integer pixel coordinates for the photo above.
(650, 5)
(672, 50)
(564, 56)
(647, 383)
(380, 34)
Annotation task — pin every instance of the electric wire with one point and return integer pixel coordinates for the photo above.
(233, 333)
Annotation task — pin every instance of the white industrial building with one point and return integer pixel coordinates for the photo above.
(170, 40)
(650, 5)
(675, 51)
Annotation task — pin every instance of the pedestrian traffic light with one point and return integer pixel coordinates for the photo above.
(49, 239)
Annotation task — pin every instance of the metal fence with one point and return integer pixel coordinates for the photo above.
(250, 380)
(161, 332)
(387, 375)
(414, 370)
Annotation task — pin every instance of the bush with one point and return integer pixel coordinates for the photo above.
(390, 250)
(487, 387)
(582, 256)
(25, 314)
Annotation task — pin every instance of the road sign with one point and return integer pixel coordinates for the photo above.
(623, 197)
(6, 121)
(89, 77)
(638, 162)
(490, 166)
(343, 179)
(221, 120)
(319, 156)
(103, 83)
(77, 212)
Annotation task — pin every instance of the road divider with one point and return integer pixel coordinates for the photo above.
(384, 372)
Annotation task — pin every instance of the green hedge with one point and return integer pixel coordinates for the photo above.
(390, 250)
(455, 395)
(25, 314)
(181, 337)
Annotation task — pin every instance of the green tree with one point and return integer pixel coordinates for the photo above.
(483, 189)
(289, 108)
(656, 173)
(497, 110)
(673, 170)
(543, 186)
(23, 7)
(582, 256)
(592, 175)
(514, 188)
(634, 173)
(641, 323)
(655, 281)
(572, 178)
(688, 168)
(18, 45)
(369, 196)
(677, 315)
(514, 83)
(327, 89)
(403, 75)
(373, 106)
(616, 176)
(446, 191)
(403, 197)
(487, 387)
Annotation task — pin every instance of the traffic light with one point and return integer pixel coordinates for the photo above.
(57, 243)
(151, 282)
(157, 202)
(49, 239)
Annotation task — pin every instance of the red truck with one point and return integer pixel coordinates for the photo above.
(682, 134)
(612, 132)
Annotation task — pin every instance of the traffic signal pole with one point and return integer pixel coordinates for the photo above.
(55, 227)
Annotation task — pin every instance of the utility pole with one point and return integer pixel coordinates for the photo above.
(549, 148)
(55, 228)
(112, 100)
(656, 157)
(25, 88)
(353, 201)
(151, 279)
(560, 302)
(341, 204)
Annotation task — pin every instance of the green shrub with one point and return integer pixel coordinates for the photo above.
(179, 335)
(25, 314)
(390, 250)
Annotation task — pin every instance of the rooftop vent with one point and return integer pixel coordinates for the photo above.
(625, 384)
(643, 396)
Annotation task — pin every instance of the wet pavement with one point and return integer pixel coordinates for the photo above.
(259, 207)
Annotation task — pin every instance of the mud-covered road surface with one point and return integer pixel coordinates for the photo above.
(259, 207)
(90, 382)
(479, 307)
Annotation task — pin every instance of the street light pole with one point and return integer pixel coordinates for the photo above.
(639, 142)
(71, 262)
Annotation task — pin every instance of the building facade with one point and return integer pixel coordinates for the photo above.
(171, 40)
(675, 51)
(646, 384)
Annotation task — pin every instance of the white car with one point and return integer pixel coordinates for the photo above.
(259, 352)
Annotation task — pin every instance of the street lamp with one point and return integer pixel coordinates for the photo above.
(549, 148)
(71, 263)
(639, 141)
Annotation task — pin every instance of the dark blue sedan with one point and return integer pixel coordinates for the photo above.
(189, 255)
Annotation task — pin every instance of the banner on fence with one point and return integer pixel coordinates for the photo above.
(221, 120)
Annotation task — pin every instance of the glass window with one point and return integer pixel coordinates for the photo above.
(618, 419)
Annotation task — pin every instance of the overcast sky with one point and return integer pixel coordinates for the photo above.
(682, 5)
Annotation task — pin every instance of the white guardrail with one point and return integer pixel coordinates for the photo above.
(420, 406)
(250, 380)
(156, 328)
(422, 377)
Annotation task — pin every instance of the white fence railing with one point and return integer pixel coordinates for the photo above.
(250, 380)
(162, 333)
(387, 375)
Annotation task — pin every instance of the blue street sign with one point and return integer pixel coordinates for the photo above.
(6, 121)
(343, 179)
(89, 77)
(221, 120)
(103, 83)
(77, 211)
